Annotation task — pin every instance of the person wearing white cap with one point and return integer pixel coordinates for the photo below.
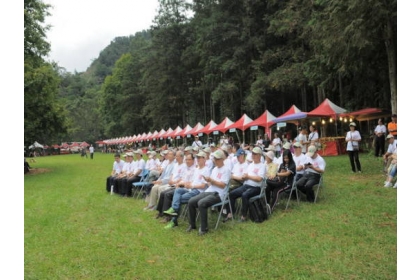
(300, 159)
(127, 170)
(152, 162)
(314, 167)
(197, 142)
(380, 131)
(137, 167)
(392, 147)
(253, 179)
(353, 139)
(271, 166)
(216, 191)
(190, 189)
(162, 181)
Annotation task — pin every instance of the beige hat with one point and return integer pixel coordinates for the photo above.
(390, 136)
(270, 154)
(138, 151)
(152, 153)
(270, 148)
(188, 148)
(352, 124)
(124, 155)
(297, 145)
(130, 154)
(165, 152)
(311, 151)
(257, 150)
(287, 145)
(195, 149)
(201, 154)
(207, 150)
(219, 154)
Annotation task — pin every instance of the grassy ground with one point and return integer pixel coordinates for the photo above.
(75, 230)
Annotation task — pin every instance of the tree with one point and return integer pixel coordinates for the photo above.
(44, 118)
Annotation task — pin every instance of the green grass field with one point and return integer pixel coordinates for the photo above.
(75, 230)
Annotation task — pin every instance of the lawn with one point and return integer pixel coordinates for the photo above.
(75, 230)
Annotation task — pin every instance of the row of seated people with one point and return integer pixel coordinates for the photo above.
(187, 179)
(390, 162)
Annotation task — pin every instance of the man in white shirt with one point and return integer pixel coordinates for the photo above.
(300, 159)
(127, 170)
(239, 168)
(117, 167)
(134, 176)
(216, 191)
(91, 150)
(392, 147)
(314, 168)
(253, 178)
(197, 142)
(380, 131)
(188, 190)
(302, 139)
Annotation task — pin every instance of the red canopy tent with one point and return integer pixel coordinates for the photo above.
(161, 133)
(196, 128)
(183, 132)
(222, 126)
(207, 128)
(265, 120)
(64, 145)
(367, 114)
(178, 129)
(74, 144)
(241, 124)
(167, 133)
(326, 109)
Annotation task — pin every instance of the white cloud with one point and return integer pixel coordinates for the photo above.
(82, 28)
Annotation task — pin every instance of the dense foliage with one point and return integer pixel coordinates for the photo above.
(208, 59)
(45, 119)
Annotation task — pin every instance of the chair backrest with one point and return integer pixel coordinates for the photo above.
(144, 175)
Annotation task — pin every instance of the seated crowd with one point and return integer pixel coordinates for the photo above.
(199, 178)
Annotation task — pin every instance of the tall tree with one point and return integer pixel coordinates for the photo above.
(44, 117)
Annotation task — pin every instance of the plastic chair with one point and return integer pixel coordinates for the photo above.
(319, 186)
(138, 186)
(225, 201)
(294, 188)
(262, 196)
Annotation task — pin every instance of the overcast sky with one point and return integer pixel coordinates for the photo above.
(81, 29)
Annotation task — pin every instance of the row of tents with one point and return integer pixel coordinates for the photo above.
(326, 109)
(62, 146)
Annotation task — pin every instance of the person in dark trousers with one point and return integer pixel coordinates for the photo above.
(91, 151)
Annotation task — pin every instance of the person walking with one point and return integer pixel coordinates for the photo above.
(353, 139)
(91, 150)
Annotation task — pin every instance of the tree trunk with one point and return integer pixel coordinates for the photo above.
(391, 49)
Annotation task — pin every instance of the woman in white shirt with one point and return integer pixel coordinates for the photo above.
(353, 139)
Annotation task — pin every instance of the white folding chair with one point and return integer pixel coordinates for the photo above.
(262, 196)
(319, 186)
(138, 186)
(294, 188)
(225, 201)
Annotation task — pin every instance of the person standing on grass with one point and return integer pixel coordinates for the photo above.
(314, 168)
(91, 150)
(380, 131)
(353, 139)
(392, 126)
(217, 182)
